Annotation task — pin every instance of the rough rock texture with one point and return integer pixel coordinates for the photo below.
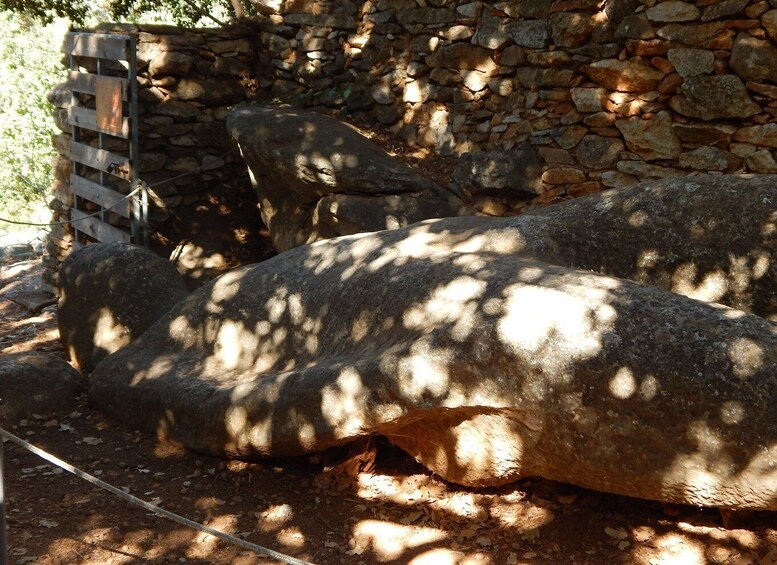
(110, 294)
(460, 341)
(36, 383)
(500, 173)
(317, 178)
(718, 237)
(464, 78)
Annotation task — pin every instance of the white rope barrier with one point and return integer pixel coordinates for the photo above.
(258, 549)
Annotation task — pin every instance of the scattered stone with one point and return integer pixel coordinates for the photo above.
(692, 62)
(651, 139)
(36, 383)
(462, 56)
(170, 63)
(221, 92)
(761, 161)
(673, 11)
(765, 135)
(499, 173)
(589, 99)
(597, 152)
(491, 33)
(714, 97)
(529, 33)
(769, 21)
(563, 175)
(617, 179)
(704, 159)
(635, 26)
(623, 76)
(572, 29)
(705, 134)
(723, 9)
(109, 295)
(753, 59)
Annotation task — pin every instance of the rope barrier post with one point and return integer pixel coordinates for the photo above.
(3, 537)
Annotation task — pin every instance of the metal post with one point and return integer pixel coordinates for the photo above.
(3, 539)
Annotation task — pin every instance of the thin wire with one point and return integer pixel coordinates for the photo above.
(150, 507)
(52, 224)
(108, 208)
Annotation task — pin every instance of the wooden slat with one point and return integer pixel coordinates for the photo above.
(87, 84)
(101, 160)
(97, 45)
(86, 118)
(105, 197)
(97, 229)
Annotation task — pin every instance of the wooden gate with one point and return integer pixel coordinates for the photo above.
(110, 204)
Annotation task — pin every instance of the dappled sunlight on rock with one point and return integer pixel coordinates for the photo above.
(747, 357)
(109, 334)
(554, 327)
(711, 288)
(235, 347)
(344, 402)
(158, 367)
(464, 344)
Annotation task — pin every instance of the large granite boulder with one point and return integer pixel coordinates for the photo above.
(36, 383)
(463, 343)
(318, 178)
(110, 294)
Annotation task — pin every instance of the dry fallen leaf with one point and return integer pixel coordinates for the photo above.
(616, 533)
(411, 517)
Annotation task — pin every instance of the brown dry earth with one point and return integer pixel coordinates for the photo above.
(373, 507)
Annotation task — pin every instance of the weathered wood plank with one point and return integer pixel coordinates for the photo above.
(86, 118)
(97, 45)
(96, 228)
(87, 84)
(104, 196)
(101, 160)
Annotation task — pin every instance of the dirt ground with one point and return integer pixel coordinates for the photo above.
(375, 507)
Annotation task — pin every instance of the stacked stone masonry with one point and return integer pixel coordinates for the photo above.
(543, 99)
(189, 80)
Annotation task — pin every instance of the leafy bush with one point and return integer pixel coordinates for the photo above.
(30, 65)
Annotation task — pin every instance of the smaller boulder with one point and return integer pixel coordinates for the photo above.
(317, 177)
(110, 294)
(499, 173)
(36, 383)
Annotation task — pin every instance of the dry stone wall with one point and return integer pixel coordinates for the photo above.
(572, 95)
(201, 196)
(542, 100)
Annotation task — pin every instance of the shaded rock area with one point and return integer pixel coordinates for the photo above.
(318, 178)
(36, 383)
(713, 238)
(110, 294)
(477, 345)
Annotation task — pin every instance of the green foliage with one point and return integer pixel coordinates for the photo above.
(182, 12)
(46, 10)
(85, 12)
(29, 68)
